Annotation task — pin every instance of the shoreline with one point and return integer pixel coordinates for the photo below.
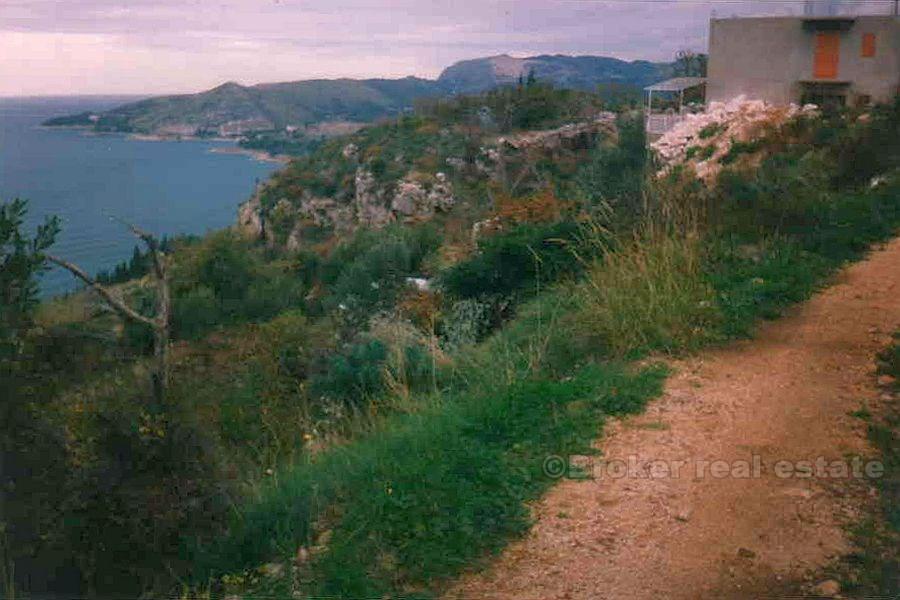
(157, 137)
(259, 155)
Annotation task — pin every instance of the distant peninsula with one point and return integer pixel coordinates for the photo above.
(292, 117)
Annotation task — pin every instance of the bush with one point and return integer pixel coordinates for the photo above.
(788, 194)
(137, 482)
(868, 148)
(517, 262)
(266, 297)
(195, 312)
(354, 376)
(365, 274)
(224, 280)
(226, 266)
(615, 175)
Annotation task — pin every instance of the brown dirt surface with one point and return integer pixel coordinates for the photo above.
(787, 395)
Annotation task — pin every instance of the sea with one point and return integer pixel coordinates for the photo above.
(92, 181)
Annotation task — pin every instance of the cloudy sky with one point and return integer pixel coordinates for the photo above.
(161, 46)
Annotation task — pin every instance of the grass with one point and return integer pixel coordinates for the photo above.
(649, 294)
(423, 494)
(429, 493)
(873, 568)
(758, 277)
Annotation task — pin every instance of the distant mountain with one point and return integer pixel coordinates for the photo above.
(233, 110)
(577, 72)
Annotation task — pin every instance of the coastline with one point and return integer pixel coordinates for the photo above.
(259, 155)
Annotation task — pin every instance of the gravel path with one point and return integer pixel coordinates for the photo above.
(686, 532)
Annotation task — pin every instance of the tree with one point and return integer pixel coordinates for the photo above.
(690, 64)
(161, 323)
(22, 259)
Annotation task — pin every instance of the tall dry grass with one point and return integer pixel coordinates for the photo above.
(646, 290)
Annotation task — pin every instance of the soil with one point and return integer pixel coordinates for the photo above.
(685, 532)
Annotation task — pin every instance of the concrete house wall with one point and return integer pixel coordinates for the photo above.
(769, 58)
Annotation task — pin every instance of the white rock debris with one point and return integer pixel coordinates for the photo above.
(738, 120)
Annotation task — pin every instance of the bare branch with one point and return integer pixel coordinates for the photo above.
(117, 303)
(149, 240)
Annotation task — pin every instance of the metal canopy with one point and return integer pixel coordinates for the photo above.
(677, 84)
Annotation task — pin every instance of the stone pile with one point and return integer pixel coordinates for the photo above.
(738, 120)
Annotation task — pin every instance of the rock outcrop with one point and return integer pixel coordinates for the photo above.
(250, 219)
(373, 205)
(573, 136)
(371, 201)
(413, 201)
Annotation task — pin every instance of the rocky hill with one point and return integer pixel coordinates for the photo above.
(233, 110)
(416, 168)
(575, 72)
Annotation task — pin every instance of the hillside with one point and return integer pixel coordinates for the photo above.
(367, 396)
(574, 72)
(233, 110)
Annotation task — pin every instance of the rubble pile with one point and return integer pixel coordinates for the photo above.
(701, 140)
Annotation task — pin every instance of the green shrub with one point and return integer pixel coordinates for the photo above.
(866, 149)
(354, 376)
(137, 481)
(226, 266)
(138, 336)
(738, 148)
(225, 280)
(266, 297)
(365, 274)
(195, 312)
(788, 194)
(516, 262)
(615, 174)
(711, 130)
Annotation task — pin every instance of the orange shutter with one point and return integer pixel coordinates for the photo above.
(828, 46)
(868, 45)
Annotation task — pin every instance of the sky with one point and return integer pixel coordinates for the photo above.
(61, 47)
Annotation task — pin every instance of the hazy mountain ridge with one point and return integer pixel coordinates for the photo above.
(232, 109)
(577, 72)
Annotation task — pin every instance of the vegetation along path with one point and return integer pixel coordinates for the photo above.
(785, 395)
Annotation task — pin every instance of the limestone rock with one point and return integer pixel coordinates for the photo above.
(250, 217)
(369, 202)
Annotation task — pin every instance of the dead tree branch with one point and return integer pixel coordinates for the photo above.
(160, 323)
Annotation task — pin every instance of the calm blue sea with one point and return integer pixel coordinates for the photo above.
(164, 187)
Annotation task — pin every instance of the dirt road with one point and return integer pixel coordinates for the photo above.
(686, 532)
